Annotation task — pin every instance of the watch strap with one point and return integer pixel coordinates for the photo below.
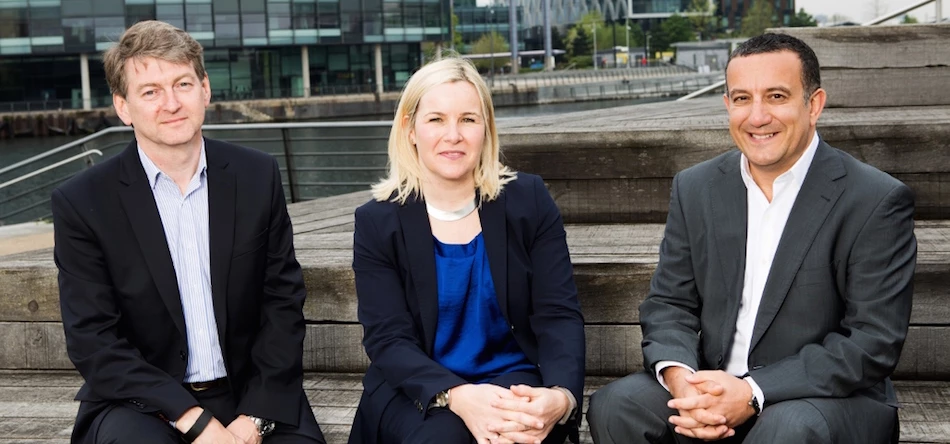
(199, 426)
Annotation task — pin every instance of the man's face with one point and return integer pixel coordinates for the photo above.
(165, 102)
(770, 119)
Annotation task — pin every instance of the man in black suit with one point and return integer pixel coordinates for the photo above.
(181, 296)
(783, 292)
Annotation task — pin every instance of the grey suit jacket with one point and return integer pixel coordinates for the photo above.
(836, 305)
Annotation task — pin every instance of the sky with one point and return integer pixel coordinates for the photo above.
(863, 10)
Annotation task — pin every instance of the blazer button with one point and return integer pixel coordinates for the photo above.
(512, 328)
(719, 360)
(418, 406)
(182, 355)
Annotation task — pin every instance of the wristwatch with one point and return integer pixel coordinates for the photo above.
(754, 403)
(441, 400)
(264, 426)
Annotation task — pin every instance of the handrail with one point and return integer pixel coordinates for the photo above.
(65, 147)
(116, 129)
(50, 167)
(903, 11)
(702, 91)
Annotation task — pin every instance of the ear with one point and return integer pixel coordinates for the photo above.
(121, 108)
(816, 105)
(725, 100)
(206, 90)
(406, 124)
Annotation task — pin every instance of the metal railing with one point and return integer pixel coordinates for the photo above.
(877, 21)
(900, 12)
(317, 159)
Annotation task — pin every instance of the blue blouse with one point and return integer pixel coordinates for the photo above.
(473, 339)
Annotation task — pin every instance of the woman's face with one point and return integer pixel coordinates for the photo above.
(449, 133)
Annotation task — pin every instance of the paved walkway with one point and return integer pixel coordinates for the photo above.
(25, 237)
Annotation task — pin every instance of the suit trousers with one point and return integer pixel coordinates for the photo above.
(633, 410)
(121, 424)
(402, 424)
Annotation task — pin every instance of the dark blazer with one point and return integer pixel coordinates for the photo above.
(836, 305)
(394, 262)
(122, 313)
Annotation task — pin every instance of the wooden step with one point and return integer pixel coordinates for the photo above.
(37, 407)
(616, 165)
(612, 265)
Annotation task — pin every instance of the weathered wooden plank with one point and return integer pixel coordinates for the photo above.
(613, 265)
(861, 47)
(848, 88)
(612, 350)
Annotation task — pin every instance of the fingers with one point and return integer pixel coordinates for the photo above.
(520, 417)
(521, 437)
(525, 390)
(707, 433)
(703, 401)
(710, 387)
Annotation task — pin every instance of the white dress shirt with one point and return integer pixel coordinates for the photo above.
(185, 221)
(766, 222)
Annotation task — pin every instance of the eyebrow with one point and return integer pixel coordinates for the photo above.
(781, 89)
(440, 113)
(153, 84)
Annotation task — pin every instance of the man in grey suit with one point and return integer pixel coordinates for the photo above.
(783, 292)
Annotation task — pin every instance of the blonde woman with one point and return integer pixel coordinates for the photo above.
(465, 286)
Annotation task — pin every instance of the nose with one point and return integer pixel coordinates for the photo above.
(171, 101)
(759, 115)
(452, 133)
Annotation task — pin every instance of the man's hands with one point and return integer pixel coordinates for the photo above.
(497, 415)
(710, 403)
(244, 430)
(215, 433)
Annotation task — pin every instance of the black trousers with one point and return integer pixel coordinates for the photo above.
(402, 424)
(124, 425)
(633, 410)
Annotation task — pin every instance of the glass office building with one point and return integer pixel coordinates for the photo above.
(50, 50)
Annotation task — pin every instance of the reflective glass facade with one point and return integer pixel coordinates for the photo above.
(252, 47)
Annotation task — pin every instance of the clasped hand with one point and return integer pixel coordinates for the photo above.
(711, 404)
(496, 415)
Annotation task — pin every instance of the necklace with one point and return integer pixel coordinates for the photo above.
(450, 216)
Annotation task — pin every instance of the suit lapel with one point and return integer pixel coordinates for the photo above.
(495, 232)
(728, 198)
(820, 191)
(139, 205)
(417, 234)
(221, 214)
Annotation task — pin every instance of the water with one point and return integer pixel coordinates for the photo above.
(15, 150)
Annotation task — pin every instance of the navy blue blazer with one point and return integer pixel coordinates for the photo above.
(394, 263)
(122, 315)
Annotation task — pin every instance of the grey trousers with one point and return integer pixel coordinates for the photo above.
(633, 410)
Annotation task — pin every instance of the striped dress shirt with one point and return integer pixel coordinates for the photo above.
(185, 220)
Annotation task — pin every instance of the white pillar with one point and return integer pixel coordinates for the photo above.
(305, 69)
(378, 55)
(939, 4)
(438, 51)
(86, 90)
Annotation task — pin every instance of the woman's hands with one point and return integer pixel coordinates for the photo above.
(496, 415)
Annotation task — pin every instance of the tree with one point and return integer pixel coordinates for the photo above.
(802, 20)
(908, 20)
(580, 40)
(486, 44)
(703, 17)
(674, 29)
(758, 18)
(456, 34)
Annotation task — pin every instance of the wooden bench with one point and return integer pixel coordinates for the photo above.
(613, 265)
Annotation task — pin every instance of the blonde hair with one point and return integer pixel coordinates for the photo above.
(405, 169)
(150, 38)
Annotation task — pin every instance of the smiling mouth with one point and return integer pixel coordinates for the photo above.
(762, 136)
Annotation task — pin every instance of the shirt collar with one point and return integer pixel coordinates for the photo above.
(796, 173)
(152, 171)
